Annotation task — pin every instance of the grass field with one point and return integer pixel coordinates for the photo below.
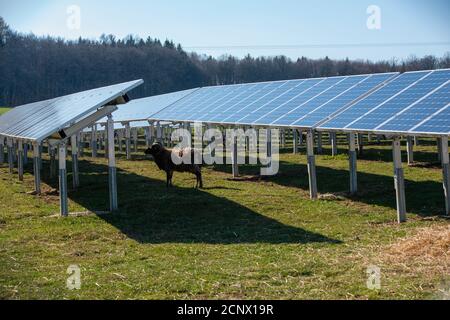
(3, 110)
(234, 239)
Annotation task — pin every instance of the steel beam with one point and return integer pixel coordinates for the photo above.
(410, 150)
(445, 173)
(63, 201)
(234, 158)
(334, 147)
(311, 164)
(399, 179)
(20, 159)
(128, 140)
(295, 140)
(113, 202)
(36, 169)
(353, 164)
(9, 143)
(74, 153)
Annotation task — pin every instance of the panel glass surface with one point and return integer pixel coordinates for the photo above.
(372, 101)
(385, 111)
(330, 108)
(36, 121)
(420, 111)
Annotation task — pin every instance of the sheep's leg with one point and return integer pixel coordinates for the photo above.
(168, 179)
(171, 178)
(198, 174)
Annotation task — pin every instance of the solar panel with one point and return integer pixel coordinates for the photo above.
(344, 98)
(142, 109)
(438, 123)
(420, 112)
(37, 121)
(357, 111)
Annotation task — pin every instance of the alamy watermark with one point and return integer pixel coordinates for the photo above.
(232, 146)
(374, 19)
(73, 282)
(373, 278)
(73, 21)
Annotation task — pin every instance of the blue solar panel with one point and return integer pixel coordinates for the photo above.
(271, 101)
(385, 111)
(361, 108)
(420, 111)
(440, 123)
(330, 108)
(247, 107)
(290, 111)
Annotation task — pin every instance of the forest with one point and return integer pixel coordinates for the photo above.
(35, 68)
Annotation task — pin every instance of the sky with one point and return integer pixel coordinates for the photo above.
(315, 29)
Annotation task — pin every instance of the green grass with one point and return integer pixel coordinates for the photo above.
(4, 110)
(234, 239)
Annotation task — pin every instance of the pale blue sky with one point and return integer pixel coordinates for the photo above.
(224, 24)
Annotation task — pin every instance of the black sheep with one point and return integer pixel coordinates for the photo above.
(163, 159)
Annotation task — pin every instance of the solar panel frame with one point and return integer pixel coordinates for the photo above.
(37, 121)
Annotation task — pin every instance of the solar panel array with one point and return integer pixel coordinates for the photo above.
(37, 121)
(285, 103)
(141, 109)
(414, 102)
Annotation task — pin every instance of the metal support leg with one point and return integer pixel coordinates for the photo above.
(445, 173)
(128, 141)
(94, 141)
(2, 150)
(113, 203)
(135, 140)
(234, 158)
(410, 150)
(36, 169)
(439, 148)
(20, 160)
(10, 156)
(334, 148)
(295, 142)
(159, 133)
(75, 174)
(360, 144)
(25, 154)
(353, 164)
(319, 142)
(63, 201)
(52, 162)
(311, 165)
(399, 181)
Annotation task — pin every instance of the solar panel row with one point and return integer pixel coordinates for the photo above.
(414, 102)
(279, 103)
(37, 121)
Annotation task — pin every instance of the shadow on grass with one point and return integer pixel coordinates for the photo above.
(424, 198)
(151, 213)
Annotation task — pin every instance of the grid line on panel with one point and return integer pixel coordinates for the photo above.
(274, 99)
(223, 100)
(246, 90)
(309, 100)
(293, 98)
(431, 117)
(386, 101)
(412, 105)
(248, 105)
(216, 118)
(358, 99)
(331, 100)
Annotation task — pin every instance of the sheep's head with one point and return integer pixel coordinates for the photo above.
(154, 150)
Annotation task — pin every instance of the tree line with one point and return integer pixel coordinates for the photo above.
(36, 68)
